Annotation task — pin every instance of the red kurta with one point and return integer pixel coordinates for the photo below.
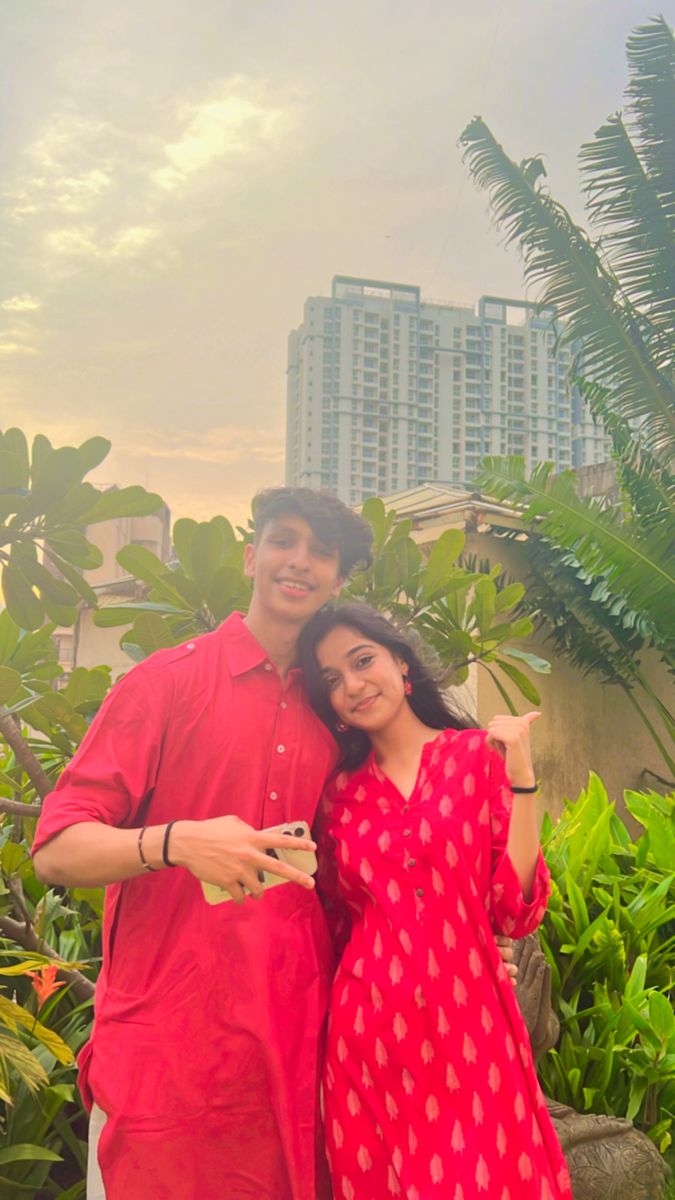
(430, 1088)
(206, 1044)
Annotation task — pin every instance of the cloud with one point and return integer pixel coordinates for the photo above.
(17, 348)
(78, 242)
(68, 168)
(233, 123)
(23, 303)
(223, 445)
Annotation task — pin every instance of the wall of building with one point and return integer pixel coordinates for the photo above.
(585, 724)
(386, 391)
(85, 644)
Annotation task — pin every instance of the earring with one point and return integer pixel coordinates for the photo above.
(407, 686)
(341, 727)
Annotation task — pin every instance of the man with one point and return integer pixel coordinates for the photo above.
(203, 1061)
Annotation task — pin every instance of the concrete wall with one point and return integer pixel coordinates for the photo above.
(585, 724)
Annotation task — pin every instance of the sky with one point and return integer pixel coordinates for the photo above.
(179, 177)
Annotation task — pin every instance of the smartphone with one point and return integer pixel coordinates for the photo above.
(304, 860)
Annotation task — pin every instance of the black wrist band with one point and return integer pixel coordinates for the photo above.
(525, 791)
(165, 845)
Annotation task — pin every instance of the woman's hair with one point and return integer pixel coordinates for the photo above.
(426, 699)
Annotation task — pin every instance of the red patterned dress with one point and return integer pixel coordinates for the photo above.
(430, 1090)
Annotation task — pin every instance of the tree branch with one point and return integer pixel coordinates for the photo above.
(82, 988)
(24, 755)
(17, 809)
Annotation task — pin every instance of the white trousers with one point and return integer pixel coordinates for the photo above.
(95, 1190)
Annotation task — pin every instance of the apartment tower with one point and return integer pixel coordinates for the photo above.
(387, 391)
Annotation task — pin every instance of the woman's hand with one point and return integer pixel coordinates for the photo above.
(511, 737)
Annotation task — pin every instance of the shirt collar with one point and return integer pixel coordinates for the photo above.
(242, 650)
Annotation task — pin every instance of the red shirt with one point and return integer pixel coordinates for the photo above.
(206, 1041)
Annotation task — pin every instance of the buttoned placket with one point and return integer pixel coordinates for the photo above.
(276, 790)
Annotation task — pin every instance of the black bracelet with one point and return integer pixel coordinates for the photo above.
(525, 791)
(165, 845)
(146, 864)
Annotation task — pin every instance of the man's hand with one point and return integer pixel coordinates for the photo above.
(228, 852)
(505, 947)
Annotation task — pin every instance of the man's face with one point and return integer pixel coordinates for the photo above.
(294, 573)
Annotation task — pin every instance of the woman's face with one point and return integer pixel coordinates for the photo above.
(364, 679)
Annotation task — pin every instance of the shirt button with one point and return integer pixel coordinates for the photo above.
(407, 832)
(273, 796)
(406, 807)
(283, 704)
(419, 891)
(268, 666)
(412, 862)
(280, 749)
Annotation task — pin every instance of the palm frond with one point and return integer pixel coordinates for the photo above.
(637, 232)
(16, 1057)
(649, 485)
(650, 50)
(578, 617)
(559, 256)
(638, 567)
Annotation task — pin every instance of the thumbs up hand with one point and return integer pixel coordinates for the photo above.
(510, 736)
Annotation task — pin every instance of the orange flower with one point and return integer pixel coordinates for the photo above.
(45, 983)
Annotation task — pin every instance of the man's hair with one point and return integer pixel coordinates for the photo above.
(336, 525)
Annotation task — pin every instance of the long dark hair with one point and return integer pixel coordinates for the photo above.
(426, 699)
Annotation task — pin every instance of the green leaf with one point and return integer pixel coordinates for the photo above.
(10, 682)
(508, 597)
(208, 545)
(661, 1016)
(439, 567)
(482, 606)
(23, 605)
(12, 473)
(533, 661)
(636, 981)
(73, 577)
(123, 502)
(151, 632)
(73, 546)
(27, 1153)
(9, 637)
(92, 452)
(126, 614)
(143, 564)
(577, 904)
(184, 531)
(524, 685)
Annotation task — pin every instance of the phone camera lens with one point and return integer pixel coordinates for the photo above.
(299, 831)
(271, 853)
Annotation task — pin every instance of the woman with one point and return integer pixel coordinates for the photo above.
(429, 1084)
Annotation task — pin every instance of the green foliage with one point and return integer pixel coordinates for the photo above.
(613, 296)
(609, 935)
(45, 505)
(190, 597)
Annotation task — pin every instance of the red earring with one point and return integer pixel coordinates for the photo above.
(407, 686)
(341, 727)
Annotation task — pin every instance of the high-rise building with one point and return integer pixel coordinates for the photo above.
(387, 391)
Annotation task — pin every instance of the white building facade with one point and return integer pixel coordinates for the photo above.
(387, 391)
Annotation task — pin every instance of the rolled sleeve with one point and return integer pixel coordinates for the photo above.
(115, 768)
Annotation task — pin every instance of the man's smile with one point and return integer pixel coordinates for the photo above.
(296, 585)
